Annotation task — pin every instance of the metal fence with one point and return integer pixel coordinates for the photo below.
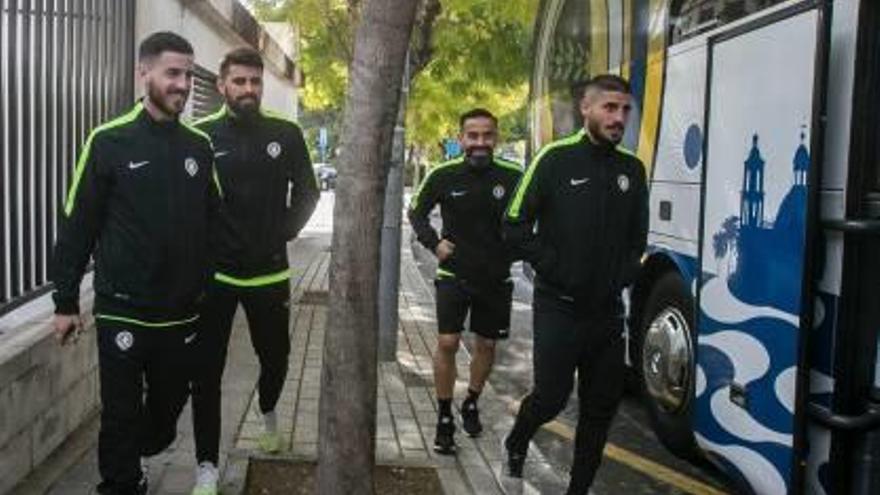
(67, 66)
(205, 97)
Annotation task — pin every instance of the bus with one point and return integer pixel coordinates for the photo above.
(753, 325)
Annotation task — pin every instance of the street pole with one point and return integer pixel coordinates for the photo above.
(389, 272)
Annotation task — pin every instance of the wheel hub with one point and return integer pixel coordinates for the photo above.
(667, 360)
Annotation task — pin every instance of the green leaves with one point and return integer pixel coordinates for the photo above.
(480, 57)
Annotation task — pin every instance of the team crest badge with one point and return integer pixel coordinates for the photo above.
(623, 183)
(191, 166)
(498, 191)
(274, 149)
(124, 340)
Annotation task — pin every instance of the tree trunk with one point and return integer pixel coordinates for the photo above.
(348, 382)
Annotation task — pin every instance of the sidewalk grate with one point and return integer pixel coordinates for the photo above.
(315, 297)
(411, 379)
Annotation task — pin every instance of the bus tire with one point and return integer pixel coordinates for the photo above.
(664, 359)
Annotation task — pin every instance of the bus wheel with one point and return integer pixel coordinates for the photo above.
(666, 360)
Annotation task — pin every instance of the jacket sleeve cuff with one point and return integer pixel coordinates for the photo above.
(432, 243)
(545, 261)
(66, 305)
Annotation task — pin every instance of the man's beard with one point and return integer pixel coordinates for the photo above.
(479, 161)
(159, 99)
(245, 107)
(597, 133)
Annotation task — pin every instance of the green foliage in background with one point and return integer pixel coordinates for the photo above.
(480, 56)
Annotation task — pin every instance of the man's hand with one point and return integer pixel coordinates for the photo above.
(67, 328)
(444, 250)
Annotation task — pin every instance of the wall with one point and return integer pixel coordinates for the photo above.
(208, 25)
(46, 391)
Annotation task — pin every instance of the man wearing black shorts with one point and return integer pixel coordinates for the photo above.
(473, 276)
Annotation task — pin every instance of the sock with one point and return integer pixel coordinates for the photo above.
(472, 397)
(445, 406)
(271, 421)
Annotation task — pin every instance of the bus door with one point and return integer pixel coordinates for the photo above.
(760, 183)
(853, 413)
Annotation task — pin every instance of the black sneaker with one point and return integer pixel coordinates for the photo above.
(444, 441)
(512, 463)
(470, 419)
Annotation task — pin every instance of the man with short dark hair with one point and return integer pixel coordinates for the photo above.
(143, 199)
(580, 217)
(474, 268)
(271, 192)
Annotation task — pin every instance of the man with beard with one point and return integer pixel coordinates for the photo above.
(270, 192)
(141, 199)
(474, 267)
(580, 217)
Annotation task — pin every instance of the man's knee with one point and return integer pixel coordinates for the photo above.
(447, 344)
(545, 407)
(598, 409)
(157, 441)
(482, 345)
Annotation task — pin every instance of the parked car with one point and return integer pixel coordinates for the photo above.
(326, 175)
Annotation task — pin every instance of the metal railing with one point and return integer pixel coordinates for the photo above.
(67, 66)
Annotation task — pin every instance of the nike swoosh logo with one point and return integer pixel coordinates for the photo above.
(134, 165)
(577, 182)
(220, 153)
(188, 339)
(458, 194)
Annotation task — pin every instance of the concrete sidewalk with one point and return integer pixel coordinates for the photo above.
(406, 408)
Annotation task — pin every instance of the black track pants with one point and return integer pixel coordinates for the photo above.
(564, 342)
(144, 375)
(267, 309)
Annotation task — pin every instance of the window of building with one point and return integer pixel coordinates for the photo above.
(205, 97)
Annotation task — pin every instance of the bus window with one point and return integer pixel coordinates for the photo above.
(691, 17)
(567, 60)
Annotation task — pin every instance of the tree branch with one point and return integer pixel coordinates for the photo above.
(342, 32)
(354, 12)
(423, 49)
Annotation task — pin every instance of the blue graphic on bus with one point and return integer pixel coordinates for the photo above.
(693, 146)
(749, 317)
(764, 249)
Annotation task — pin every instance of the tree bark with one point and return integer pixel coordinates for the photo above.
(348, 382)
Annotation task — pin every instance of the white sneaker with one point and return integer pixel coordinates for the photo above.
(145, 476)
(270, 439)
(207, 478)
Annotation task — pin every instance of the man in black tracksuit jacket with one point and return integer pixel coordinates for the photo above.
(580, 217)
(474, 266)
(143, 199)
(270, 192)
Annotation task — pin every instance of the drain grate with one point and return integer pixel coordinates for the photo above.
(315, 297)
(411, 379)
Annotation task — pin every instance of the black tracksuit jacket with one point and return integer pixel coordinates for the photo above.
(143, 199)
(580, 217)
(472, 203)
(270, 191)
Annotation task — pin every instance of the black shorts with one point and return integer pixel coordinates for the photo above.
(489, 307)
